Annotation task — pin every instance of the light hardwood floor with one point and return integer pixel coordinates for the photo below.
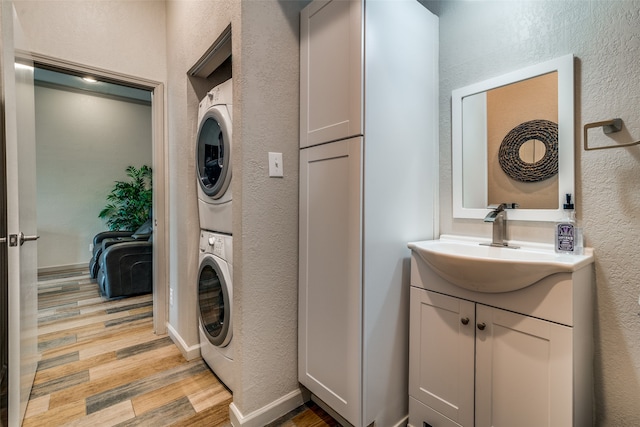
(102, 365)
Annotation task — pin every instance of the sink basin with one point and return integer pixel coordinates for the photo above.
(469, 265)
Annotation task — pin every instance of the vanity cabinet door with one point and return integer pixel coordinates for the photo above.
(330, 71)
(441, 357)
(524, 371)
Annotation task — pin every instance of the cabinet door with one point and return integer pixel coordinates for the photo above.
(330, 71)
(330, 294)
(441, 356)
(524, 372)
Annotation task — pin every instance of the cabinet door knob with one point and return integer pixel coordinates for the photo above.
(481, 326)
(464, 320)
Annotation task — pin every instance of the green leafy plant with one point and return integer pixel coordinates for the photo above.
(129, 203)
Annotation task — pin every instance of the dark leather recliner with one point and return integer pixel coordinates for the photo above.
(107, 238)
(126, 268)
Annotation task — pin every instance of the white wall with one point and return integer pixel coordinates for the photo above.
(84, 143)
(484, 39)
(192, 27)
(266, 244)
(125, 36)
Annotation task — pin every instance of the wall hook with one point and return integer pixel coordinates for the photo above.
(608, 126)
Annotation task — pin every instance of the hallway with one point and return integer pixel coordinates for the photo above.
(102, 365)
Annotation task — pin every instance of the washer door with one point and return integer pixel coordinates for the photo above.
(214, 152)
(214, 303)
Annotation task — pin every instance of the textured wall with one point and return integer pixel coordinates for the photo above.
(117, 35)
(267, 239)
(192, 27)
(479, 40)
(265, 210)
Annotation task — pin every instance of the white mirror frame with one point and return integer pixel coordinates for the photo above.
(566, 179)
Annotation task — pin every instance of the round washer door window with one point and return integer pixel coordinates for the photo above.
(214, 154)
(214, 303)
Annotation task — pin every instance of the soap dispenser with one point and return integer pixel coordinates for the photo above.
(566, 230)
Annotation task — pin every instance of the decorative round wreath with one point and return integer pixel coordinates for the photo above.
(544, 131)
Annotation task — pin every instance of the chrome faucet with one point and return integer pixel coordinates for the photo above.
(498, 216)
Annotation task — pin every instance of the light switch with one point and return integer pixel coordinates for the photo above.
(275, 164)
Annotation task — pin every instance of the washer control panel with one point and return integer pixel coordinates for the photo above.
(216, 244)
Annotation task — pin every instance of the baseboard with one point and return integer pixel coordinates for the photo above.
(266, 414)
(189, 352)
(403, 423)
(63, 268)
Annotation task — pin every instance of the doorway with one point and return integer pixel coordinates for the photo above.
(159, 166)
(4, 283)
(160, 210)
(88, 133)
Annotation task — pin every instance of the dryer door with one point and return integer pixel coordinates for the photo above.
(214, 302)
(214, 152)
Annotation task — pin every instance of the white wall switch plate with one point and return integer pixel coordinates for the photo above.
(275, 164)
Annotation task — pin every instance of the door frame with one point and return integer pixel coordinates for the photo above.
(160, 168)
(4, 278)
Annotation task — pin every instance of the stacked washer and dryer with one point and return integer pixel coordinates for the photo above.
(215, 272)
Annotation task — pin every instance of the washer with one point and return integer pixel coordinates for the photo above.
(213, 159)
(215, 311)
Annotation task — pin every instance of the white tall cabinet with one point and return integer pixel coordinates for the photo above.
(368, 181)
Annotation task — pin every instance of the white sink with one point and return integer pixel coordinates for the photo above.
(467, 264)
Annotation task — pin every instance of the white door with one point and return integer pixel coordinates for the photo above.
(441, 356)
(524, 370)
(330, 71)
(19, 139)
(330, 312)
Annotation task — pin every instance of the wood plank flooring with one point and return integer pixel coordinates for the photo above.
(102, 365)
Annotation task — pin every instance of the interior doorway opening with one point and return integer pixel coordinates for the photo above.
(87, 136)
(112, 86)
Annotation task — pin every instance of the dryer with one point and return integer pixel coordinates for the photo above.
(213, 159)
(215, 310)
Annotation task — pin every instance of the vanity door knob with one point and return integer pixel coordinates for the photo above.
(464, 321)
(481, 326)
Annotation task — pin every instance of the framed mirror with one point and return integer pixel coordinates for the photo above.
(512, 142)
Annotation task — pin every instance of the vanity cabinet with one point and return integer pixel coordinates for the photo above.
(441, 359)
(522, 365)
(368, 181)
(520, 358)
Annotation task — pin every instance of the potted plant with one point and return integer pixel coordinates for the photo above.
(129, 203)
